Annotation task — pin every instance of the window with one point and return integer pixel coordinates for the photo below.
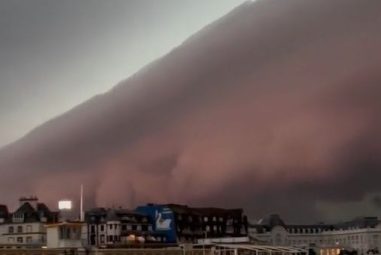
(29, 239)
(110, 226)
(134, 227)
(102, 238)
(19, 229)
(10, 230)
(206, 219)
(20, 240)
(102, 227)
(11, 239)
(92, 229)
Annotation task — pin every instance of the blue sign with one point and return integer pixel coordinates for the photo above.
(162, 219)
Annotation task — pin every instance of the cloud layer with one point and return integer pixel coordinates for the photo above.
(274, 107)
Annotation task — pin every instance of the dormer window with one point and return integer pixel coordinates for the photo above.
(18, 217)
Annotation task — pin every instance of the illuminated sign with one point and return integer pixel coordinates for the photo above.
(65, 205)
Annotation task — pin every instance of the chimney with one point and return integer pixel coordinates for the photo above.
(32, 200)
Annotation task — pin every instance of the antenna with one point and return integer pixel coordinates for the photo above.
(81, 215)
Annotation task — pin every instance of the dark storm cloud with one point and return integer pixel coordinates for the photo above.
(376, 200)
(273, 107)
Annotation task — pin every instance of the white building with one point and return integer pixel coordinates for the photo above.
(362, 235)
(66, 235)
(26, 226)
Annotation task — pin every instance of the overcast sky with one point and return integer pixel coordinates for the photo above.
(56, 54)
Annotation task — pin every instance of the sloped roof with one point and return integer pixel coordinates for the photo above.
(31, 214)
(360, 222)
(4, 213)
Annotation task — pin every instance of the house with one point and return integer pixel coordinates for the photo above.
(66, 235)
(26, 226)
(114, 227)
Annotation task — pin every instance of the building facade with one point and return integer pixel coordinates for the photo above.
(26, 226)
(362, 235)
(113, 227)
(180, 223)
(67, 234)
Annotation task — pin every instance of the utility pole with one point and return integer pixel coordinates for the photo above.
(81, 215)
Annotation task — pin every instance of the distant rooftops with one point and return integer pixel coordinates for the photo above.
(101, 214)
(184, 209)
(270, 221)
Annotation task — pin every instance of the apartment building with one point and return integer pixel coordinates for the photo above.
(26, 226)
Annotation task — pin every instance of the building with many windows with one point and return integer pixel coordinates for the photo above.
(26, 226)
(181, 223)
(362, 235)
(113, 227)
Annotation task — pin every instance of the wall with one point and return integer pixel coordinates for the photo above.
(32, 234)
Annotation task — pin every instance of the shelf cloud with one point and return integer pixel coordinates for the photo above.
(274, 106)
